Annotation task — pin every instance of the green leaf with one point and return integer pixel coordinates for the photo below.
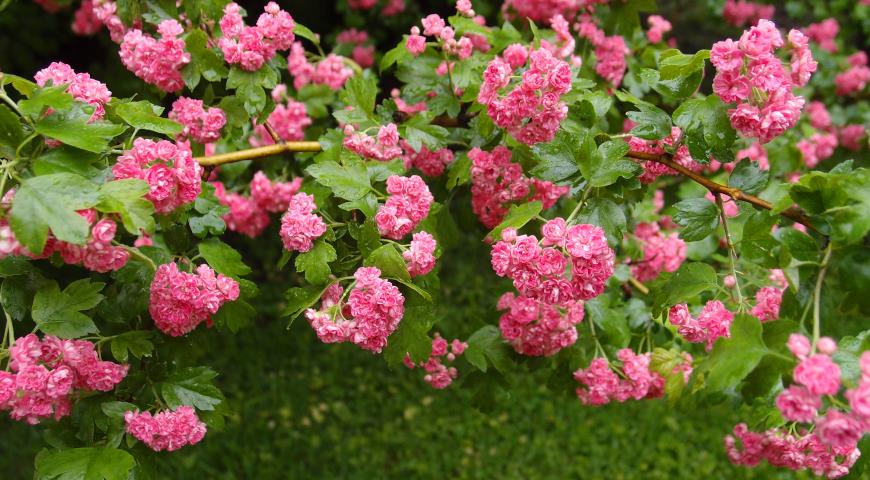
(302, 31)
(11, 133)
(299, 299)
(41, 99)
(59, 313)
(485, 347)
(410, 337)
(315, 262)
(612, 321)
(652, 122)
(249, 86)
(517, 217)
(360, 92)
(840, 197)
(556, 159)
(367, 236)
(66, 159)
(17, 292)
(699, 218)
(459, 172)
(50, 202)
(390, 262)
(747, 176)
(691, 279)
(204, 61)
(350, 181)
(708, 129)
(235, 315)
(211, 221)
(223, 258)
(144, 115)
(418, 132)
(136, 342)
(126, 198)
(734, 358)
(800, 245)
(849, 350)
(191, 386)
(398, 54)
(72, 127)
(604, 165)
(679, 75)
(607, 215)
(97, 463)
(757, 244)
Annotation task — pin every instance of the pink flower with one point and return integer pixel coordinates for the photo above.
(416, 43)
(299, 225)
(824, 33)
(797, 404)
(838, 429)
(431, 163)
(407, 205)
(767, 302)
(658, 26)
(661, 252)
(167, 430)
(799, 346)
(202, 125)
(369, 147)
(170, 170)
(421, 256)
(81, 86)
(251, 47)
(289, 122)
(819, 374)
(158, 62)
(713, 322)
(180, 301)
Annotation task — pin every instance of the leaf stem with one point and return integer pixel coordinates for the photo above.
(580, 204)
(732, 253)
(817, 298)
(138, 254)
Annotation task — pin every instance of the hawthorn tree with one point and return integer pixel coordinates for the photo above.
(663, 235)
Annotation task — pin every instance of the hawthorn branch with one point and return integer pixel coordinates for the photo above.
(259, 152)
(792, 213)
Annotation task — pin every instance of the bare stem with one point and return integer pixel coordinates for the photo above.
(732, 253)
(817, 297)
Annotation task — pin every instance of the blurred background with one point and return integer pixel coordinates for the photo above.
(302, 409)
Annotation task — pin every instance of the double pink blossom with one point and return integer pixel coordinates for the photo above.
(420, 256)
(45, 377)
(371, 313)
(331, 71)
(158, 62)
(288, 120)
(300, 226)
(252, 46)
(80, 85)
(384, 147)
(856, 77)
(438, 374)
(599, 384)
(407, 205)
(742, 12)
(180, 301)
(713, 322)
(200, 124)
(169, 168)
(661, 252)
(430, 163)
(168, 430)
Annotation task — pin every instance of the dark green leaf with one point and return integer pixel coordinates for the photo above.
(59, 313)
(97, 463)
(144, 115)
(235, 315)
(126, 198)
(315, 263)
(136, 342)
(607, 215)
(699, 218)
(223, 258)
(556, 159)
(350, 181)
(734, 358)
(410, 337)
(517, 217)
(72, 127)
(485, 347)
(191, 386)
(390, 262)
(747, 176)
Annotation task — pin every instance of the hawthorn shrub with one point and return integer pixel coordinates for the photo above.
(649, 221)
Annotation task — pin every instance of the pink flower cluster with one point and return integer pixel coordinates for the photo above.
(158, 62)
(767, 302)
(250, 215)
(383, 148)
(251, 47)
(289, 122)
(438, 375)
(856, 77)
(542, 272)
(819, 116)
(362, 54)
(107, 12)
(180, 301)
(431, 163)
(851, 136)
(98, 255)
(600, 385)
(496, 182)
(661, 252)
(831, 448)
(793, 451)
(203, 126)
(407, 205)
(532, 111)
(169, 168)
(300, 226)
(713, 322)
(536, 328)
(85, 21)
(658, 27)
(434, 26)
(540, 10)
(373, 311)
(816, 148)
(610, 51)
(824, 33)
(81, 86)
(167, 430)
(331, 71)
(741, 12)
(47, 374)
(420, 257)
(749, 73)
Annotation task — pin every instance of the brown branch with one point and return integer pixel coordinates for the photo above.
(792, 213)
(259, 152)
